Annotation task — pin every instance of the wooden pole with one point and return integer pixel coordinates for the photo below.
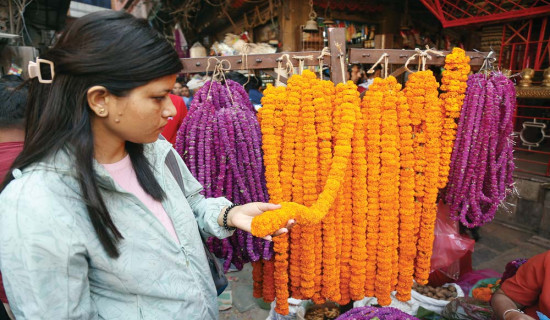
(337, 44)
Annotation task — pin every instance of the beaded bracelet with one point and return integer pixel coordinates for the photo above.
(508, 311)
(228, 228)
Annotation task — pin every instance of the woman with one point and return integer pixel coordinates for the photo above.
(92, 223)
(528, 291)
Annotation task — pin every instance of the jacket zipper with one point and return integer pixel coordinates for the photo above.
(186, 255)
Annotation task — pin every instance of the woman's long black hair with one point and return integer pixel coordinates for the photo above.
(110, 49)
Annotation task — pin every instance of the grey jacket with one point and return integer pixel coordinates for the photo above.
(54, 266)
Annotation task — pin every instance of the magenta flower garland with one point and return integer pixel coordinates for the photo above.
(220, 141)
(482, 164)
(369, 312)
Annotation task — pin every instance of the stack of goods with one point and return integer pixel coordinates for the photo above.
(482, 161)
(362, 189)
(220, 142)
(440, 293)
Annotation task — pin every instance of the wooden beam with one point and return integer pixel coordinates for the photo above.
(255, 61)
(399, 57)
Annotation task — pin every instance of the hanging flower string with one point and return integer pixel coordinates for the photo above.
(482, 159)
(220, 141)
(453, 87)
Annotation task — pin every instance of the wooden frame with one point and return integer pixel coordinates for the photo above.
(337, 41)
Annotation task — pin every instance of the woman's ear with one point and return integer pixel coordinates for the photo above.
(98, 100)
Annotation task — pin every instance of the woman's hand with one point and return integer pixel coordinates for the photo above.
(241, 217)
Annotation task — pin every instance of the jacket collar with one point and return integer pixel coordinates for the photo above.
(62, 162)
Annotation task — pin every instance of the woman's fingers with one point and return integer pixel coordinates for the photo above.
(268, 206)
(290, 224)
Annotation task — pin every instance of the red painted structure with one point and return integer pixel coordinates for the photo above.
(454, 13)
(525, 44)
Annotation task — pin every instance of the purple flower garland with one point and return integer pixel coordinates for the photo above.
(220, 141)
(369, 312)
(482, 160)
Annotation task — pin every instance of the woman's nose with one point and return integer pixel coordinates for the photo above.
(169, 110)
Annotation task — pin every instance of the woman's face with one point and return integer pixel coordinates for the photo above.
(140, 116)
(177, 89)
(185, 92)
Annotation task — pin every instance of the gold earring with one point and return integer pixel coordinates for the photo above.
(102, 111)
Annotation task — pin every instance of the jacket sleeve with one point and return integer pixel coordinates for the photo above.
(44, 266)
(206, 210)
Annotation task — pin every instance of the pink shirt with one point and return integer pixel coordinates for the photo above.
(123, 173)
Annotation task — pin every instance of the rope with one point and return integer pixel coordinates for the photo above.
(289, 67)
(301, 60)
(324, 52)
(382, 57)
(386, 58)
(244, 58)
(218, 71)
(422, 55)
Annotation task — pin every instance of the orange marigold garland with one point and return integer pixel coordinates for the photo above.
(294, 97)
(257, 276)
(271, 145)
(407, 235)
(388, 189)
(269, 281)
(434, 121)
(453, 89)
(271, 221)
(309, 136)
(358, 260)
(413, 90)
(371, 109)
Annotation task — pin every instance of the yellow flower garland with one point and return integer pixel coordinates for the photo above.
(453, 85)
(388, 189)
(358, 260)
(271, 221)
(434, 122)
(407, 236)
(309, 183)
(365, 177)
(371, 109)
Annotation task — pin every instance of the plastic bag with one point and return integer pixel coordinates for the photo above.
(197, 50)
(432, 304)
(449, 244)
(467, 309)
(296, 310)
(409, 307)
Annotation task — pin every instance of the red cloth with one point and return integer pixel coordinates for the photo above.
(8, 153)
(531, 285)
(171, 129)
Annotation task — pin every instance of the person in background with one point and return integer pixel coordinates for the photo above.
(186, 95)
(528, 291)
(93, 224)
(177, 89)
(370, 78)
(13, 94)
(170, 131)
(356, 73)
(253, 88)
